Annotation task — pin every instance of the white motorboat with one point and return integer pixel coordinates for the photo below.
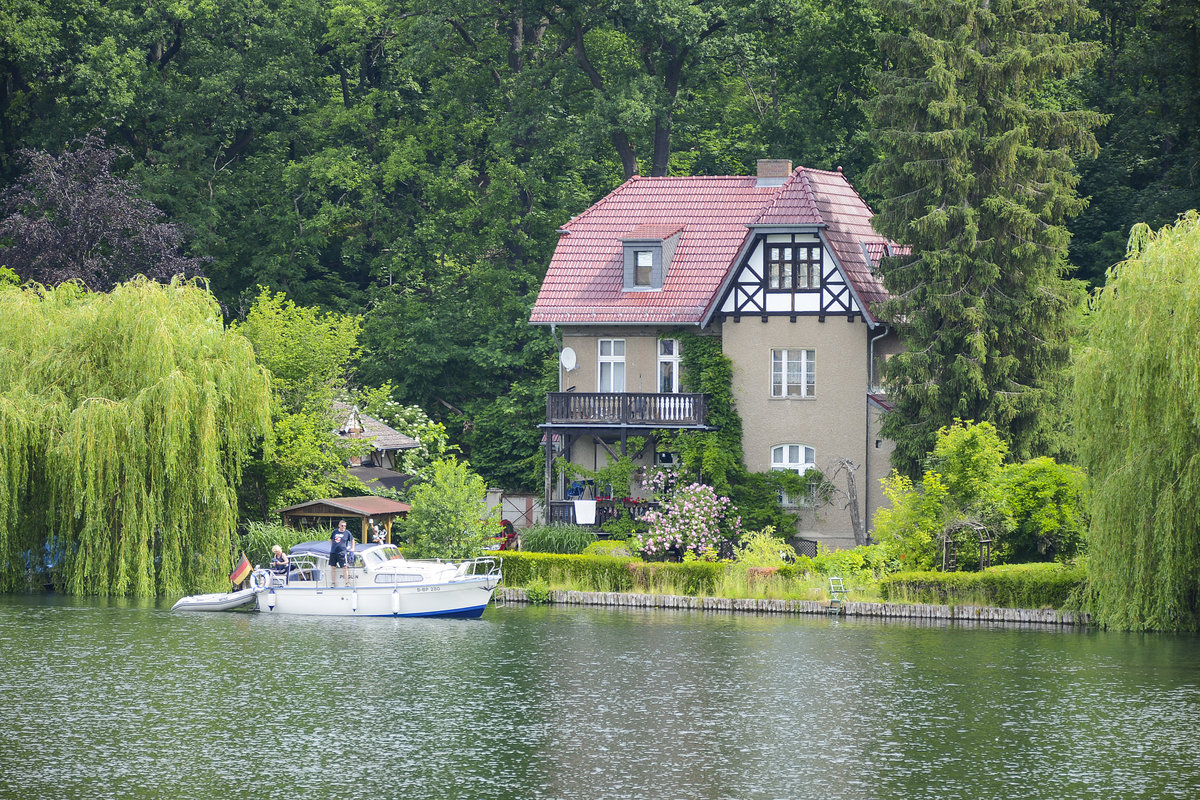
(380, 582)
(220, 601)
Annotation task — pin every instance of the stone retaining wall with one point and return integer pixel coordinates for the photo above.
(849, 609)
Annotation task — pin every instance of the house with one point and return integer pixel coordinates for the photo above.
(378, 469)
(779, 266)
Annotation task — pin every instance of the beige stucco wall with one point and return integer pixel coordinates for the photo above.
(878, 467)
(641, 358)
(834, 422)
(838, 422)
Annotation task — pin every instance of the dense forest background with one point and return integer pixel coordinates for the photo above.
(411, 161)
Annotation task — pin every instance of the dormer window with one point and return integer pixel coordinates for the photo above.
(647, 256)
(643, 266)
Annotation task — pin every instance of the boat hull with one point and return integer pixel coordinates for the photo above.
(223, 601)
(466, 598)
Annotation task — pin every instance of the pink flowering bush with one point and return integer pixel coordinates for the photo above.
(694, 523)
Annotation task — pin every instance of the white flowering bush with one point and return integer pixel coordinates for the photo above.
(693, 523)
(411, 421)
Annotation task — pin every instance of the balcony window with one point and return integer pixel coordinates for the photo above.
(668, 366)
(612, 365)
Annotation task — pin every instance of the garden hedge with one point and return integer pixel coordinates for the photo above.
(608, 573)
(1009, 586)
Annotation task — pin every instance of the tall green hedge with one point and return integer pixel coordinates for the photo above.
(610, 573)
(1009, 586)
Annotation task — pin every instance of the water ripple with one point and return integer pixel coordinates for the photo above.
(115, 699)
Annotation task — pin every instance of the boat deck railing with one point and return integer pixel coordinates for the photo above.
(307, 570)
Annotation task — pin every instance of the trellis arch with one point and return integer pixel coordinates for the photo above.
(949, 546)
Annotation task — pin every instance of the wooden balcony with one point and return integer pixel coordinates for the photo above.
(644, 410)
(562, 512)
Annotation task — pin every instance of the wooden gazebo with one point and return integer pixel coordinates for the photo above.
(324, 514)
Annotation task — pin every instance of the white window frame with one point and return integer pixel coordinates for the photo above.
(794, 457)
(671, 360)
(792, 266)
(643, 259)
(610, 366)
(797, 363)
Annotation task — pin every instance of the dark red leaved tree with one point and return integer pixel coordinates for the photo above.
(68, 217)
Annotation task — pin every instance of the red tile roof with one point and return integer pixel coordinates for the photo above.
(647, 232)
(584, 283)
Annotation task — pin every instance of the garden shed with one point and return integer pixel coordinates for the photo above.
(323, 515)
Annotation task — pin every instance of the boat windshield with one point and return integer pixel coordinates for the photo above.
(382, 554)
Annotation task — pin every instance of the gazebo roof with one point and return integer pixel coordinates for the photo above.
(368, 506)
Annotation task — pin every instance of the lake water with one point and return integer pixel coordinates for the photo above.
(116, 699)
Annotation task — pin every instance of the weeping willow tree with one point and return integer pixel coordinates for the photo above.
(1138, 421)
(125, 420)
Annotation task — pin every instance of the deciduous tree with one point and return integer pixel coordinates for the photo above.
(1137, 414)
(70, 217)
(125, 421)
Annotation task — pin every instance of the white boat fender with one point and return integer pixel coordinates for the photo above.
(271, 601)
(395, 602)
(260, 579)
(354, 601)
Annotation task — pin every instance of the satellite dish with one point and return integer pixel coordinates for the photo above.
(567, 358)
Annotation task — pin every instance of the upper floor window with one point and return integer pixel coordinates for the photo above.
(668, 366)
(643, 268)
(793, 266)
(612, 365)
(793, 373)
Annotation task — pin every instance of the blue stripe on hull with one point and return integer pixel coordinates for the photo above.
(474, 612)
(465, 613)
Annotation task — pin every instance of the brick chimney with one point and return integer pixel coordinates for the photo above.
(773, 171)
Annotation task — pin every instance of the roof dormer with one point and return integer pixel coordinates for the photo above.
(647, 256)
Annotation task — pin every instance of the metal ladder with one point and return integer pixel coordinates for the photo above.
(837, 594)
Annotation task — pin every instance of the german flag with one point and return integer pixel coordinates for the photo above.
(241, 571)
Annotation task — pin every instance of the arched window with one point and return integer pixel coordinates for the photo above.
(799, 458)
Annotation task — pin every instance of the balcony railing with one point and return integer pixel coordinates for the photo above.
(644, 409)
(562, 512)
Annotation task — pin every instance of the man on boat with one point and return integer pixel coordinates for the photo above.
(341, 548)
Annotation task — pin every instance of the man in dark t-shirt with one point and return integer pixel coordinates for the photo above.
(341, 545)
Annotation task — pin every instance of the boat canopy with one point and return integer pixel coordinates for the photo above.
(320, 548)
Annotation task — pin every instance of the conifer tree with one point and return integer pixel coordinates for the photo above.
(977, 177)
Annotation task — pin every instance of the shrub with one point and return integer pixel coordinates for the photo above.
(617, 548)
(694, 520)
(556, 539)
(537, 592)
(873, 559)
(1042, 585)
(449, 516)
(910, 528)
(521, 568)
(1046, 502)
(763, 549)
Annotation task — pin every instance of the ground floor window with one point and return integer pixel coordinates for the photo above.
(797, 458)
